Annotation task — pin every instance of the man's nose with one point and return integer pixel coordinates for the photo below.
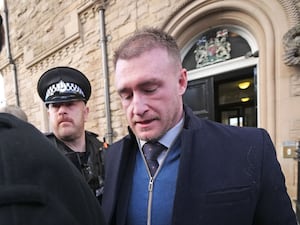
(139, 105)
(62, 108)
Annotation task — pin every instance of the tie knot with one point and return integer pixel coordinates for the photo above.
(152, 150)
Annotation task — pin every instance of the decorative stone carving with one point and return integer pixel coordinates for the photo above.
(295, 85)
(291, 42)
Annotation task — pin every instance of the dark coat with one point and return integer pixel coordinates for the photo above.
(38, 185)
(227, 176)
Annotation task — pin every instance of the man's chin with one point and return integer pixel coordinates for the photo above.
(66, 136)
(147, 136)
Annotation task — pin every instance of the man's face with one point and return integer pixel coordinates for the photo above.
(151, 88)
(67, 119)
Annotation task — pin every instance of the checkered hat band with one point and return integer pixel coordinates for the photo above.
(63, 88)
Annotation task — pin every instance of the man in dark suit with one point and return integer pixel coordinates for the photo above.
(208, 173)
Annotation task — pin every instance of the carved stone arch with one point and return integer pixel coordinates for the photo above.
(253, 16)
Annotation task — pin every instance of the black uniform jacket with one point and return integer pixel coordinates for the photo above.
(227, 176)
(89, 163)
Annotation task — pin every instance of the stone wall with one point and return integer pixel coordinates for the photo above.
(47, 33)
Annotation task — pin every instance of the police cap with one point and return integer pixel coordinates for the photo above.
(63, 84)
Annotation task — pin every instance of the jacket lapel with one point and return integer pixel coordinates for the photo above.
(189, 174)
(118, 183)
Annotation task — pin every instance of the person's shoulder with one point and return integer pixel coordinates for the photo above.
(229, 128)
(196, 123)
(91, 134)
(125, 140)
(49, 134)
(53, 139)
(94, 138)
(9, 121)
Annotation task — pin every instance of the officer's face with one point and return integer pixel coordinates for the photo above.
(67, 119)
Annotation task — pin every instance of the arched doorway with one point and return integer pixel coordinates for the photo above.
(256, 26)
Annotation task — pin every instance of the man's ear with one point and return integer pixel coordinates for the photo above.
(182, 81)
(86, 113)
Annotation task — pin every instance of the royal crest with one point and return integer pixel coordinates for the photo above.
(212, 51)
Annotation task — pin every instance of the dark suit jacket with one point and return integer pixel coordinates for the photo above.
(227, 176)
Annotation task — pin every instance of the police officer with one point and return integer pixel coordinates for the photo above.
(65, 92)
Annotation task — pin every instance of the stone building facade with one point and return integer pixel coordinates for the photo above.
(84, 33)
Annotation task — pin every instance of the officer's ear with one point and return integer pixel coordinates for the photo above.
(86, 113)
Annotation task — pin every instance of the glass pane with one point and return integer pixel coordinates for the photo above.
(239, 91)
(236, 121)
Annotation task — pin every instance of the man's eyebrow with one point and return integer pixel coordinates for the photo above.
(123, 90)
(153, 81)
(143, 84)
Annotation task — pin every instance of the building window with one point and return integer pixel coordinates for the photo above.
(214, 46)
